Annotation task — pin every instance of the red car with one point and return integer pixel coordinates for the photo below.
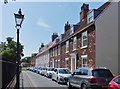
(114, 83)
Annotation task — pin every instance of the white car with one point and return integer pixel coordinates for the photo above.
(61, 75)
(49, 71)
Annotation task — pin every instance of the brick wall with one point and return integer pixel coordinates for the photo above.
(90, 50)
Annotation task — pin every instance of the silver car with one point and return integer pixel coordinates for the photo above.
(61, 75)
(49, 71)
(90, 78)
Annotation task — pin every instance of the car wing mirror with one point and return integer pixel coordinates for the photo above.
(73, 74)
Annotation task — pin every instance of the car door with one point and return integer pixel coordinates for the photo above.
(117, 83)
(73, 79)
(56, 74)
(81, 77)
(78, 77)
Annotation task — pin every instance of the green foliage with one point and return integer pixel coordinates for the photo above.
(9, 49)
(27, 60)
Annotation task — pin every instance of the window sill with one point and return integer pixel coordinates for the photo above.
(67, 51)
(84, 47)
(74, 49)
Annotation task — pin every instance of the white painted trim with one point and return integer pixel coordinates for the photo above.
(84, 56)
(84, 47)
(67, 58)
(73, 58)
(74, 49)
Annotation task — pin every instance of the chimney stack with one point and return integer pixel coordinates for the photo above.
(84, 10)
(67, 27)
(55, 35)
(42, 45)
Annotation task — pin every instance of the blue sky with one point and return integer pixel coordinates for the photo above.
(41, 20)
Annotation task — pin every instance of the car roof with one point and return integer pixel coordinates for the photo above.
(92, 68)
(61, 68)
(116, 77)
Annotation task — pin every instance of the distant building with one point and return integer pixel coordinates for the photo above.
(33, 59)
(42, 57)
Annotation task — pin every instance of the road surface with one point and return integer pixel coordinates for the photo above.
(33, 80)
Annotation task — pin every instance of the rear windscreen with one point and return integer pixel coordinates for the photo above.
(102, 73)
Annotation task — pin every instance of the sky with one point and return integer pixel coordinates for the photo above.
(42, 19)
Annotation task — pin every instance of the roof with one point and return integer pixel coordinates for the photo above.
(46, 48)
(104, 5)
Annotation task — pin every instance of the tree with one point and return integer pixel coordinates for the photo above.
(27, 60)
(9, 49)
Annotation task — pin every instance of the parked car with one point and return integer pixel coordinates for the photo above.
(38, 69)
(31, 68)
(93, 78)
(61, 75)
(34, 69)
(114, 83)
(43, 71)
(49, 71)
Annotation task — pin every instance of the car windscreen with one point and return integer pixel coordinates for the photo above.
(117, 80)
(64, 71)
(50, 69)
(102, 73)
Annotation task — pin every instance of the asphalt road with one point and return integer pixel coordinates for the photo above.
(33, 80)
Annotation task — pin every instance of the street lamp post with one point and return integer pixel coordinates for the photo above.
(18, 20)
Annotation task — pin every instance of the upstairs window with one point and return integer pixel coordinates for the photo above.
(67, 46)
(90, 16)
(74, 43)
(71, 29)
(58, 49)
(84, 39)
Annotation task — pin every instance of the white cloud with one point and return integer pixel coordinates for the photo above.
(44, 25)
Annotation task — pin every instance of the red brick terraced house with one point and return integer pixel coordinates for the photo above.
(76, 47)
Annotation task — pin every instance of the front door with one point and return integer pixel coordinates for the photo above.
(73, 62)
(53, 62)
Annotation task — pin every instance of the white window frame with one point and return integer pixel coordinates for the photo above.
(66, 64)
(71, 29)
(90, 16)
(74, 43)
(84, 34)
(84, 57)
(67, 46)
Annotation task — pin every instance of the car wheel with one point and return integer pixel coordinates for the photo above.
(52, 79)
(69, 85)
(84, 86)
(58, 80)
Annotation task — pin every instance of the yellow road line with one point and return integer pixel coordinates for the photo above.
(32, 84)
